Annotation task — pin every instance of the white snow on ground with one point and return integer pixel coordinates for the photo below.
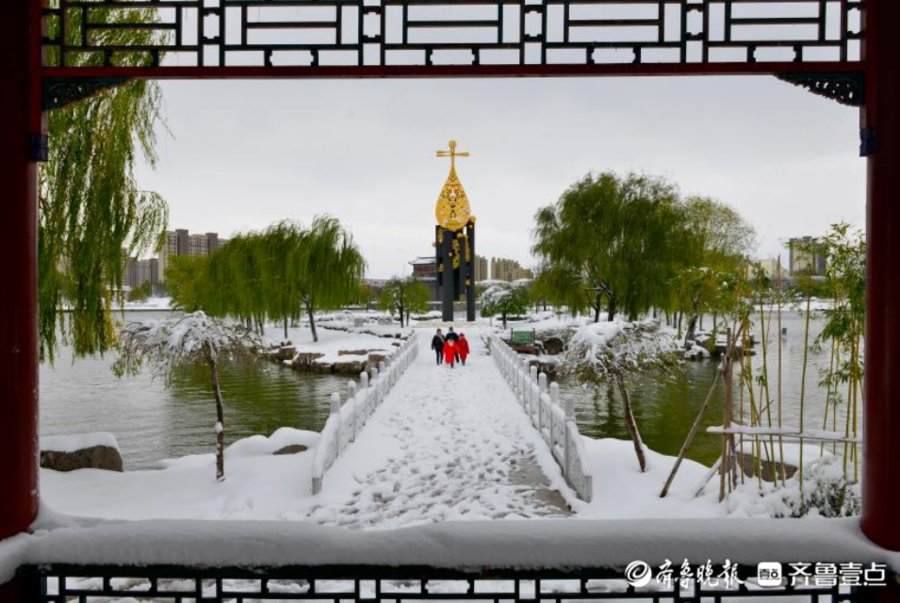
(257, 484)
(447, 443)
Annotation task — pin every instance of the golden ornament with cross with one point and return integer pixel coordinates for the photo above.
(452, 208)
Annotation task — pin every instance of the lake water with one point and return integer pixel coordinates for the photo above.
(665, 406)
(152, 422)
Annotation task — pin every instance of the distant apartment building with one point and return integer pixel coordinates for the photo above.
(503, 269)
(806, 256)
(181, 242)
(138, 272)
(481, 269)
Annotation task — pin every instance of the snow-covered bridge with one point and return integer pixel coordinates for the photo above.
(446, 443)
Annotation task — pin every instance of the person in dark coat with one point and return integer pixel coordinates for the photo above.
(437, 344)
(462, 348)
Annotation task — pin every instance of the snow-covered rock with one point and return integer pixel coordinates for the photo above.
(98, 450)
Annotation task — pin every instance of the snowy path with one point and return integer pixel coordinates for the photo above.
(445, 444)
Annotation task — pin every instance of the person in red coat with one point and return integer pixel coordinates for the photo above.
(449, 352)
(462, 348)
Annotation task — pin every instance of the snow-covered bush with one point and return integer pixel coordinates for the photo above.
(826, 493)
(604, 352)
(598, 348)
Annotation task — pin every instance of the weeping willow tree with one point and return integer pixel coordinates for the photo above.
(611, 237)
(92, 210)
(330, 268)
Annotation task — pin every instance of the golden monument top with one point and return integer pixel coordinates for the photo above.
(452, 207)
(452, 154)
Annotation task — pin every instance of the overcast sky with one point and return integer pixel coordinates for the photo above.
(240, 155)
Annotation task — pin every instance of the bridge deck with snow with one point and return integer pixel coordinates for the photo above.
(446, 443)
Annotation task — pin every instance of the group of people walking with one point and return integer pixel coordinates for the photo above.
(451, 348)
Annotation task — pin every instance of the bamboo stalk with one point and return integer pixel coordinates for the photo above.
(780, 392)
(691, 435)
(828, 395)
(856, 383)
(765, 375)
(741, 436)
(850, 388)
(727, 439)
(803, 384)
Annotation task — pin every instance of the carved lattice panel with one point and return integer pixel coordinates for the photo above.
(489, 33)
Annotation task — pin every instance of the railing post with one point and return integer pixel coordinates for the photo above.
(336, 410)
(523, 386)
(533, 393)
(373, 383)
(355, 422)
(554, 403)
(382, 383)
(364, 393)
(570, 416)
(542, 389)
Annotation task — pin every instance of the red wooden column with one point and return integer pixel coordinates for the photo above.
(881, 424)
(20, 118)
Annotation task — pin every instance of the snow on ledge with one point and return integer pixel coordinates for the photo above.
(531, 544)
(78, 441)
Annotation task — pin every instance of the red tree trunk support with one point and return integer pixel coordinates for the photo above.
(20, 116)
(881, 421)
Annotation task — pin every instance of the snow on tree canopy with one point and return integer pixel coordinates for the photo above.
(186, 339)
(627, 345)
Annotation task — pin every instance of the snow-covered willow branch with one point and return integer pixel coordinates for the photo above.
(168, 344)
(598, 350)
(193, 338)
(606, 352)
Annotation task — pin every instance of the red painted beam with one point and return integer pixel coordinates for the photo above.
(449, 71)
(19, 117)
(881, 422)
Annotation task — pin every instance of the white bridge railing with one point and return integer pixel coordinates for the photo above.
(347, 420)
(555, 424)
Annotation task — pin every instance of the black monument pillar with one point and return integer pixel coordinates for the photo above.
(454, 242)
